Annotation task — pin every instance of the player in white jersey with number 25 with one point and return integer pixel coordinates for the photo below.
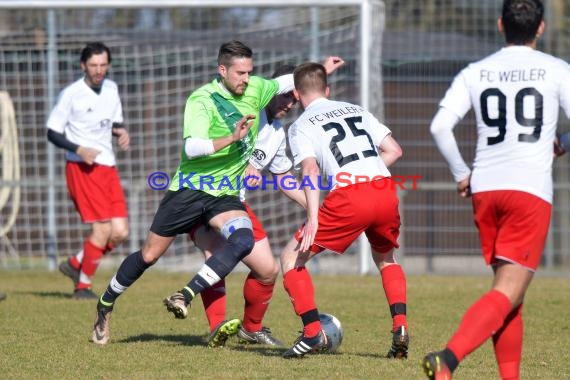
(516, 94)
(330, 138)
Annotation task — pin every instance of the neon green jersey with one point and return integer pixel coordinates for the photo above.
(209, 114)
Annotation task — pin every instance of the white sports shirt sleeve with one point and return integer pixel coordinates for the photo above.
(86, 118)
(343, 138)
(441, 128)
(270, 147)
(516, 94)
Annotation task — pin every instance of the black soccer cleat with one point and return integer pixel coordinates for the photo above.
(435, 367)
(304, 345)
(400, 342)
(84, 294)
(69, 271)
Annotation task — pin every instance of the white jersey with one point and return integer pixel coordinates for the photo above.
(270, 148)
(86, 118)
(516, 94)
(343, 138)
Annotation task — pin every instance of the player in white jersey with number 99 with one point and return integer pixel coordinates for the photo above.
(516, 94)
(333, 138)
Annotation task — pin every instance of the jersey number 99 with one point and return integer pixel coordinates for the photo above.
(501, 121)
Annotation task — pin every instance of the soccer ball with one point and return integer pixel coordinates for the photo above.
(333, 330)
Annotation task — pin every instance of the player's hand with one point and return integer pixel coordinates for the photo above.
(122, 138)
(464, 187)
(253, 175)
(308, 234)
(558, 148)
(332, 63)
(242, 127)
(87, 154)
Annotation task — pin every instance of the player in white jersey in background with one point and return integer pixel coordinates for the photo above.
(328, 139)
(87, 115)
(270, 154)
(516, 94)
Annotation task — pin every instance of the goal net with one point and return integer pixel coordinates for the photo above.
(158, 57)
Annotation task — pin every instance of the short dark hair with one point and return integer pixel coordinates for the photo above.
(521, 19)
(283, 70)
(233, 49)
(93, 48)
(310, 76)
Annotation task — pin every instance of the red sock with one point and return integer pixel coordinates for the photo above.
(108, 248)
(508, 345)
(394, 282)
(299, 286)
(479, 323)
(91, 258)
(76, 259)
(74, 262)
(214, 300)
(257, 296)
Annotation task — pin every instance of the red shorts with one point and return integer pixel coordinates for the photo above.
(258, 231)
(513, 226)
(346, 212)
(96, 191)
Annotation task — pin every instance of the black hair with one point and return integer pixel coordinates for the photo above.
(283, 70)
(521, 19)
(93, 48)
(231, 50)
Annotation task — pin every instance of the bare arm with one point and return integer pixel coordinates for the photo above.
(122, 136)
(292, 192)
(241, 130)
(311, 171)
(198, 147)
(332, 63)
(390, 150)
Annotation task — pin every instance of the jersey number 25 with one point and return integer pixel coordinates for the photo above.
(341, 135)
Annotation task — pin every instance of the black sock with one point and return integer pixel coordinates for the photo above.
(132, 267)
(198, 283)
(450, 359)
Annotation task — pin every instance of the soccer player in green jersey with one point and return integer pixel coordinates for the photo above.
(220, 129)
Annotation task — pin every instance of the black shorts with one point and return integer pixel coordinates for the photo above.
(180, 211)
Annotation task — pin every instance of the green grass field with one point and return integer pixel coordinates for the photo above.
(44, 334)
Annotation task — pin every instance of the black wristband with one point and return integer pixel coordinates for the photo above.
(117, 125)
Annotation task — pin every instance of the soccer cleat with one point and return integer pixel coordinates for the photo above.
(400, 341)
(84, 294)
(101, 334)
(434, 367)
(222, 332)
(69, 271)
(176, 304)
(304, 345)
(262, 336)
